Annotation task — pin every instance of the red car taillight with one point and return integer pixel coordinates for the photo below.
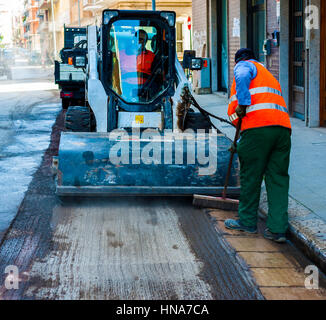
(66, 94)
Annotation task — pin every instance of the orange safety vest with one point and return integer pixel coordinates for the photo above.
(268, 107)
(143, 64)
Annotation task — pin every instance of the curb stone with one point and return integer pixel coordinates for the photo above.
(306, 229)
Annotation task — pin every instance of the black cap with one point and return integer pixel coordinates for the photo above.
(244, 54)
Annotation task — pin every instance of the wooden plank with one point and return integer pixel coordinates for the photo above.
(266, 260)
(292, 294)
(254, 244)
(278, 277)
(222, 215)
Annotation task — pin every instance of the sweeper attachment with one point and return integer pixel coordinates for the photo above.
(139, 132)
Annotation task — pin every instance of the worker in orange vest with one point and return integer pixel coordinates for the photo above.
(264, 146)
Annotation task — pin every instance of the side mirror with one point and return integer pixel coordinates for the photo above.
(188, 55)
(80, 61)
(196, 64)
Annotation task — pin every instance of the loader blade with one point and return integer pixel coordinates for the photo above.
(88, 165)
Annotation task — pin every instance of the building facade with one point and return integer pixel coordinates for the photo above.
(183, 9)
(73, 13)
(18, 30)
(31, 24)
(285, 36)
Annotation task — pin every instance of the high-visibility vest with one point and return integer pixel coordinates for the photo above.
(141, 63)
(268, 107)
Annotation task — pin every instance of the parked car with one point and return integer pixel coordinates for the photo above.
(9, 56)
(34, 58)
(5, 70)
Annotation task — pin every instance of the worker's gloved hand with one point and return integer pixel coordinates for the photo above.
(241, 111)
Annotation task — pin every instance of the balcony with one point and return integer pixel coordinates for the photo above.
(44, 4)
(92, 5)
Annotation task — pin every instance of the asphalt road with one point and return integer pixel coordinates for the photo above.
(97, 248)
(117, 248)
(28, 107)
(120, 247)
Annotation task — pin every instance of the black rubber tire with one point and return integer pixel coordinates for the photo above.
(78, 119)
(65, 103)
(196, 120)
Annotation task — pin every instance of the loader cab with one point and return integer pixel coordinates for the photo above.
(138, 50)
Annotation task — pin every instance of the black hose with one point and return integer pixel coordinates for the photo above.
(204, 112)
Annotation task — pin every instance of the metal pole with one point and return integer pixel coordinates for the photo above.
(79, 13)
(53, 30)
(153, 5)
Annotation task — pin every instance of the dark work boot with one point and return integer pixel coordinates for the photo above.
(236, 225)
(277, 237)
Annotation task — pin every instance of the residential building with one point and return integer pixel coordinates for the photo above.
(91, 12)
(18, 39)
(31, 23)
(285, 35)
(73, 13)
(81, 13)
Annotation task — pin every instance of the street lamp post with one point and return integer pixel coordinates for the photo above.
(79, 13)
(153, 5)
(53, 30)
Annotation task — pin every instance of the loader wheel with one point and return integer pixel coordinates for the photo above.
(78, 119)
(65, 103)
(196, 120)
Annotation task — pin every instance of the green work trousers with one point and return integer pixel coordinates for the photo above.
(265, 153)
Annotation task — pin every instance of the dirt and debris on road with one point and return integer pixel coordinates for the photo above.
(117, 248)
(131, 248)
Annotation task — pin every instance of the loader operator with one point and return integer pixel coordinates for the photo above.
(264, 146)
(136, 61)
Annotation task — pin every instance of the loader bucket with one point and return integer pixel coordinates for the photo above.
(97, 164)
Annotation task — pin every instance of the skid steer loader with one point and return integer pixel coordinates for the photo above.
(137, 133)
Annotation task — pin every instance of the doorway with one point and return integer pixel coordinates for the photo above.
(297, 59)
(323, 66)
(257, 27)
(222, 45)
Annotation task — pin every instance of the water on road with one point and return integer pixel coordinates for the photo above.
(28, 107)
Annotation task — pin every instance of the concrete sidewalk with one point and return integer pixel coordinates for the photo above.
(307, 203)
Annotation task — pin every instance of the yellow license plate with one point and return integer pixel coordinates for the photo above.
(139, 119)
